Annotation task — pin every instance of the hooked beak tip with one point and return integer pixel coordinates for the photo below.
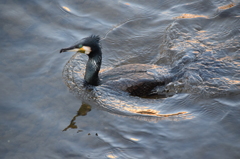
(62, 50)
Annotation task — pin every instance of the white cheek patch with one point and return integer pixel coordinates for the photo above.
(87, 49)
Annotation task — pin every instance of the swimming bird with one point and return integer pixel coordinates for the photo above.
(137, 79)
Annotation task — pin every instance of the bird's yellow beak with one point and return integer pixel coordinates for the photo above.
(84, 49)
(81, 50)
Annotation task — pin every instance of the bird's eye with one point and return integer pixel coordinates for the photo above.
(80, 46)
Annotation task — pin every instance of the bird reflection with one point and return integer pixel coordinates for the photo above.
(83, 110)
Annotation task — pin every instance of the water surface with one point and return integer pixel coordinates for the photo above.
(198, 41)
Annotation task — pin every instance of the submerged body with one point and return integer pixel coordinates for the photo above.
(136, 79)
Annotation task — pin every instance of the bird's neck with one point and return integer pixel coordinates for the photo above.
(92, 68)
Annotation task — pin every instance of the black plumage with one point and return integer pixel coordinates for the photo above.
(133, 78)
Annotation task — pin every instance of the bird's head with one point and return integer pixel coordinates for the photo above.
(87, 45)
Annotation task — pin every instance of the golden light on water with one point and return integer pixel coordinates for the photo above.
(134, 139)
(66, 8)
(145, 110)
(188, 16)
(227, 6)
(155, 113)
(111, 156)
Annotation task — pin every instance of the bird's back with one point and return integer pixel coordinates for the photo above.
(136, 79)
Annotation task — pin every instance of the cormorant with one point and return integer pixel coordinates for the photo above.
(137, 79)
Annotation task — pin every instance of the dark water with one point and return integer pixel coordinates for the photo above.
(198, 41)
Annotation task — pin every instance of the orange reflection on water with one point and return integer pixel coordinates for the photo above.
(185, 16)
(151, 112)
(146, 110)
(233, 82)
(111, 156)
(134, 139)
(227, 6)
(66, 8)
